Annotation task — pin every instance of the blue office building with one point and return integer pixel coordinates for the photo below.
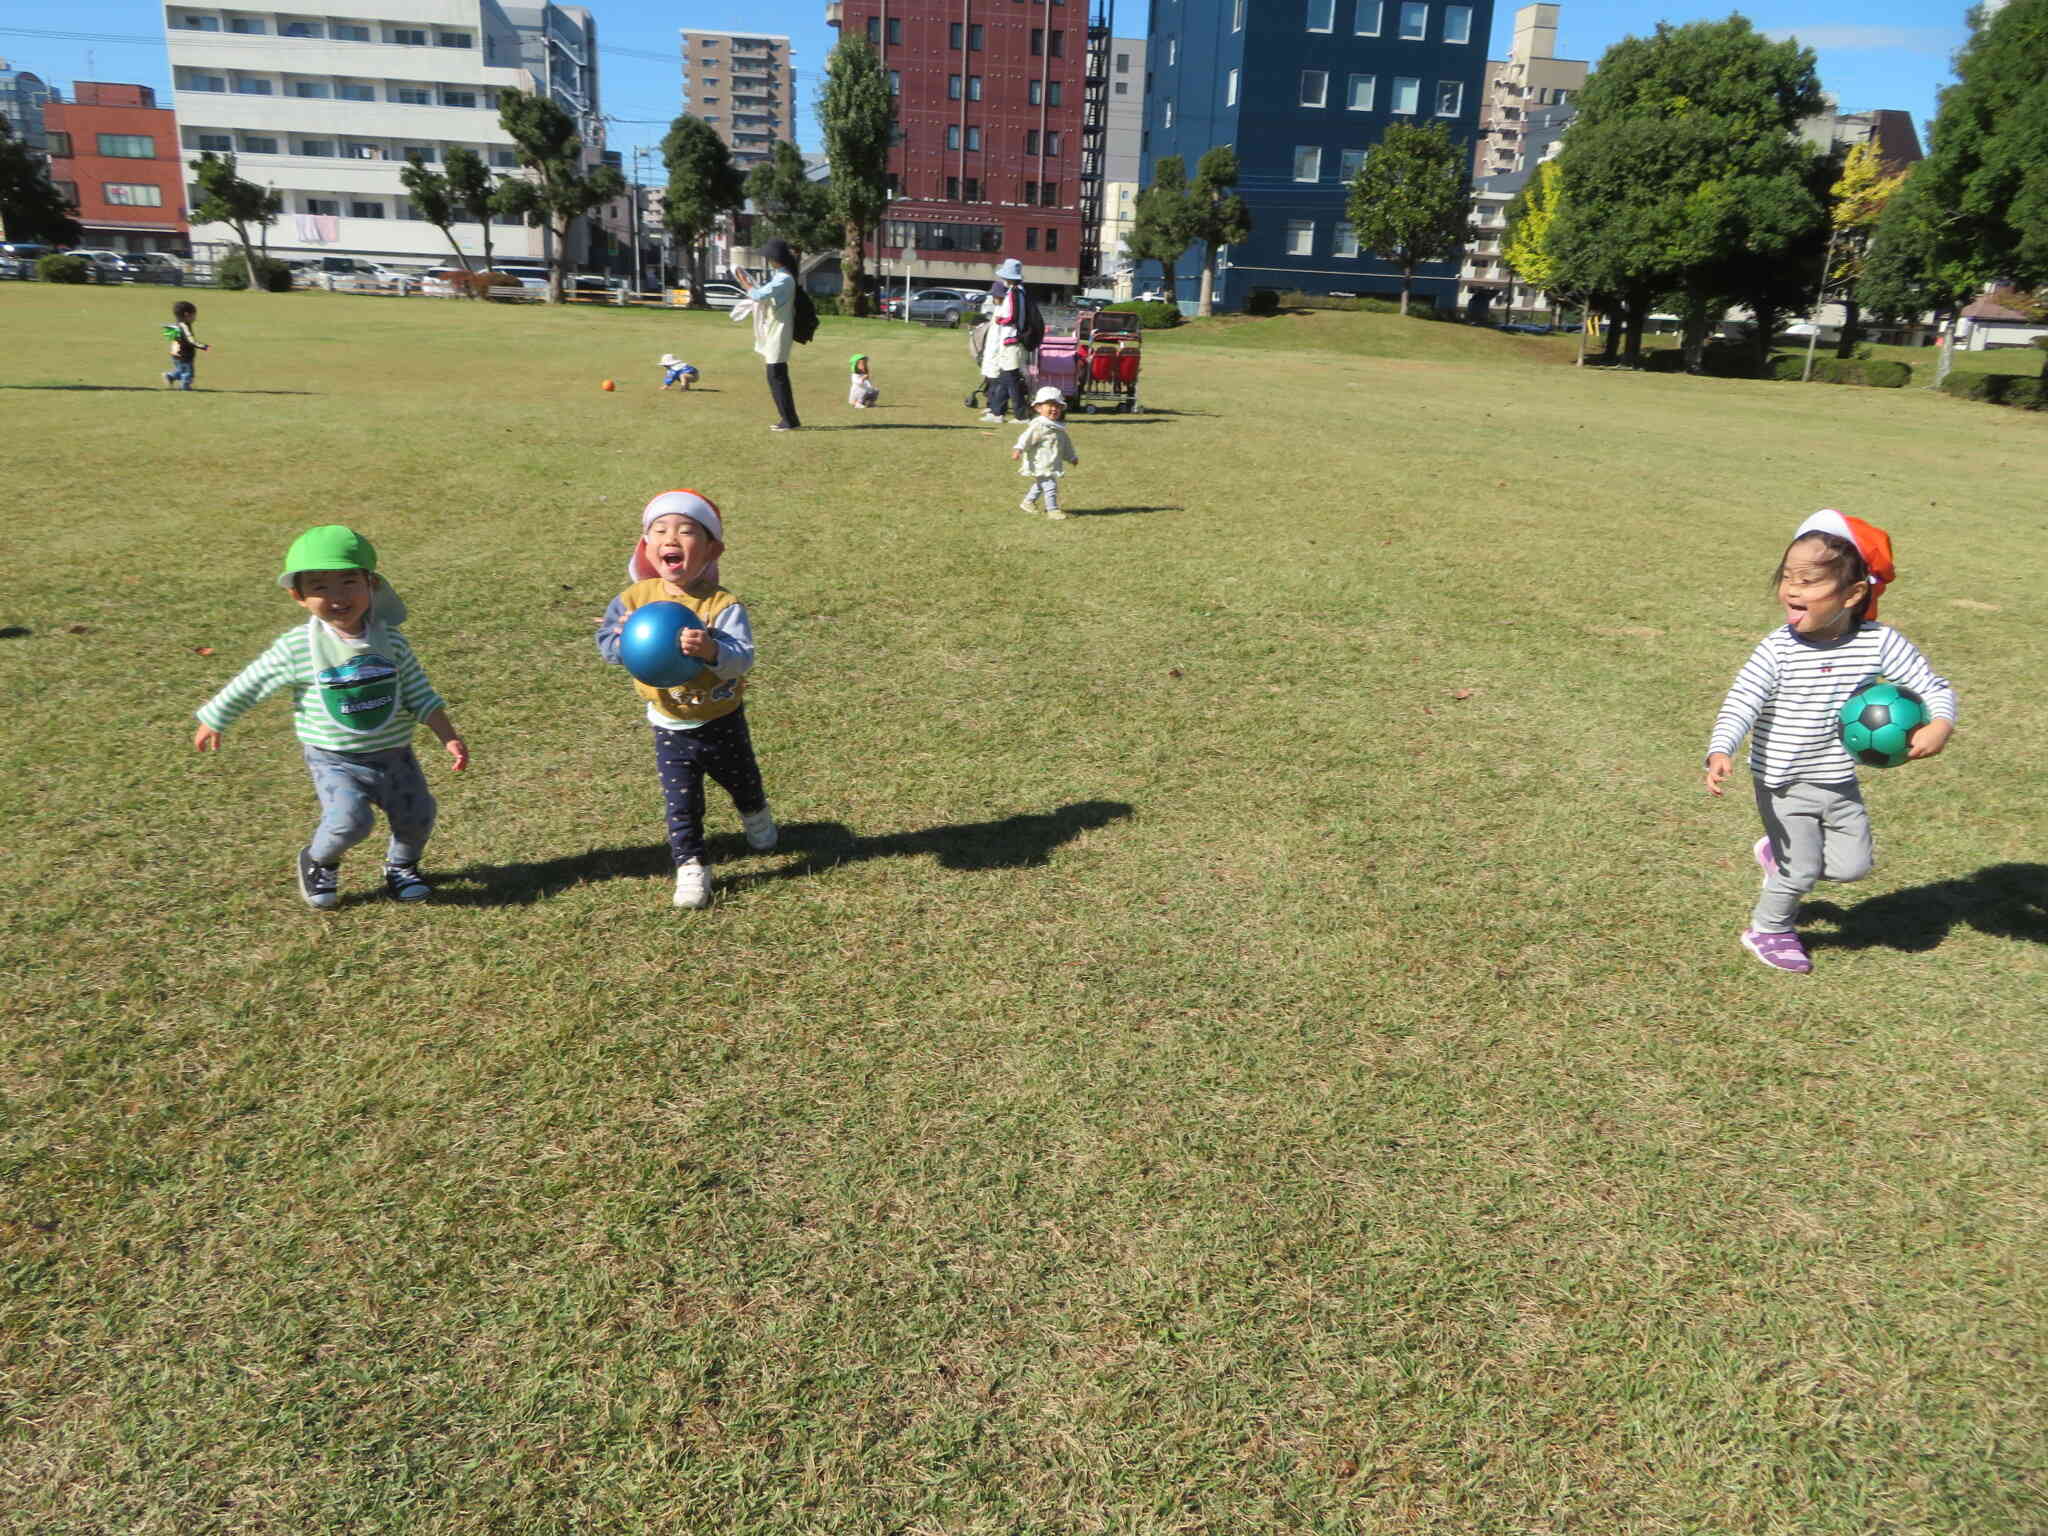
(1303, 89)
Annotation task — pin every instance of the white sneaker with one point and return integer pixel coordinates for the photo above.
(1028, 505)
(1056, 514)
(760, 829)
(693, 884)
(991, 416)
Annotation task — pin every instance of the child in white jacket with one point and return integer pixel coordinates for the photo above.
(1043, 447)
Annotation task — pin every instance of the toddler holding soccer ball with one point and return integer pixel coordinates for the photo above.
(1786, 699)
(700, 726)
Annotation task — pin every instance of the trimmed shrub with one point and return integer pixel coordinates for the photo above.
(62, 267)
(2013, 389)
(828, 303)
(1152, 316)
(233, 272)
(1263, 301)
(1843, 370)
(1419, 307)
(1719, 359)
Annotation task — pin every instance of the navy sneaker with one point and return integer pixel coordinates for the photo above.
(405, 882)
(319, 884)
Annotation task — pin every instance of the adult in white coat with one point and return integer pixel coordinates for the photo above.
(774, 313)
(1002, 354)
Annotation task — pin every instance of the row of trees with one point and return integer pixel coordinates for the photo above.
(1684, 184)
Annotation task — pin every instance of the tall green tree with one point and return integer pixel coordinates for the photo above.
(1410, 199)
(1685, 179)
(227, 197)
(478, 194)
(1219, 216)
(561, 188)
(434, 200)
(788, 205)
(702, 184)
(31, 207)
(858, 118)
(1163, 220)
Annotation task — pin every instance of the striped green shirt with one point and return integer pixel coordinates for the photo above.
(369, 704)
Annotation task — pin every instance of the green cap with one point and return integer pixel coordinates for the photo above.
(855, 359)
(331, 548)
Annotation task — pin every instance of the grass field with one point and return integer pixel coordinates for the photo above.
(1244, 1032)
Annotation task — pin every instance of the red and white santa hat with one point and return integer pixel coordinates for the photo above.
(696, 507)
(1871, 541)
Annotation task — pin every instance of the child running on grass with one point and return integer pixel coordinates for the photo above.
(1786, 698)
(700, 726)
(185, 347)
(861, 389)
(357, 690)
(1044, 447)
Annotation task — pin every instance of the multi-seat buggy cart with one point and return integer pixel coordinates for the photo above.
(1096, 368)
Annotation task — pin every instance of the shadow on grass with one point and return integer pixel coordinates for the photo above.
(157, 389)
(889, 426)
(1119, 511)
(1023, 841)
(1107, 419)
(2007, 901)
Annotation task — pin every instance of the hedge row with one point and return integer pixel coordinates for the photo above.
(1419, 307)
(1152, 316)
(2026, 393)
(1873, 372)
(63, 267)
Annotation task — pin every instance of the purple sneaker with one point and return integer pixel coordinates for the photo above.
(1780, 951)
(1764, 860)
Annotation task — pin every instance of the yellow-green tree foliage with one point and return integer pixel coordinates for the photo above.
(1527, 247)
(1856, 199)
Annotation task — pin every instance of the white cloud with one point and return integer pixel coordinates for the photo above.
(1845, 39)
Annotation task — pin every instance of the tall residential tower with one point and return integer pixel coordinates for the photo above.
(743, 85)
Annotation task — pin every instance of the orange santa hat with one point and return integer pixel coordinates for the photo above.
(1871, 541)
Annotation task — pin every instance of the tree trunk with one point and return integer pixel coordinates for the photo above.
(558, 260)
(1765, 314)
(1610, 353)
(249, 259)
(853, 267)
(1172, 283)
(1852, 320)
(1638, 312)
(1205, 303)
(698, 300)
(1407, 282)
(1699, 317)
(487, 240)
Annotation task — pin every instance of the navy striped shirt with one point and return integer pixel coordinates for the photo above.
(1787, 696)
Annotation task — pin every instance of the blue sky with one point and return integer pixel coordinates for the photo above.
(1878, 53)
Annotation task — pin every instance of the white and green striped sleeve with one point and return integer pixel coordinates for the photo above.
(279, 667)
(415, 693)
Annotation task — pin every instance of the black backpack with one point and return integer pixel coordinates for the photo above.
(1031, 329)
(804, 325)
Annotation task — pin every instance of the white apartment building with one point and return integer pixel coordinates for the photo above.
(1121, 157)
(328, 108)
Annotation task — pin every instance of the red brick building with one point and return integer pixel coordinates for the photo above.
(115, 153)
(997, 156)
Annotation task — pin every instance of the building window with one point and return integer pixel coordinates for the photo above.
(1036, 96)
(248, 24)
(952, 189)
(1301, 237)
(1030, 237)
(874, 31)
(259, 144)
(197, 82)
(218, 143)
(348, 92)
(973, 136)
(329, 206)
(1052, 93)
(1349, 163)
(1052, 143)
(1123, 87)
(348, 32)
(353, 149)
(68, 191)
(1308, 162)
(1367, 22)
(1057, 43)
(58, 144)
(1052, 239)
(365, 210)
(1173, 50)
(1166, 113)
(128, 146)
(316, 90)
(412, 95)
(1037, 42)
(895, 82)
(1450, 97)
(1344, 242)
(1123, 63)
(952, 135)
(1414, 21)
(895, 30)
(426, 154)
(974, 37)
(249, 86)
(956, 36)
(974, 87)
(129, 194)
(1230, 89)
(320, 149)
(1237, 16)
(1030, 141)
(302, 29)
(1315, 87)
(1322, 15)
(408, 37)
(1457, 23)
(1407, 95)
(952, 87)
(1359, 97)
(202, 23)
(445, 40)
(973, 189)
(505, 159)
(457, 98)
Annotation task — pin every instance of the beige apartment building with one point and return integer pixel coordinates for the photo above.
(744, 85)
(1529, 78)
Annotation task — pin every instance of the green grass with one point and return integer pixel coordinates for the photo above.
(1244, 1033)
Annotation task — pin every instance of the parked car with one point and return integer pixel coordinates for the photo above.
(159, 267)
(723, 295)
(108, 266)
(1092, 301)
(439, 282)
(14, 267)
(1154, 297)
(595, 283)
(946, 305)
(530, 276)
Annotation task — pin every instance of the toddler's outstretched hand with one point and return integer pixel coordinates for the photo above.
(1930, 739)
(207, 739)
(458, 751)
(1719, 766)
(1016, 453)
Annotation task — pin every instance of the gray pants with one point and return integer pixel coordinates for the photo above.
(353, 786)
(1818, 832)
(1047, 486)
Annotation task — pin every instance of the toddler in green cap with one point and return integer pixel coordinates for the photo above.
(357, 690)
(861, 389)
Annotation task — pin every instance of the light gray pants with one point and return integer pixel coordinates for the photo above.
(353, 786)
(1817, 832)
(1047, 486)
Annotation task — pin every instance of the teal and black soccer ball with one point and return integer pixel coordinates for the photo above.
(1878, 724)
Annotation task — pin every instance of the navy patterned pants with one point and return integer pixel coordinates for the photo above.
(354, 786)
(723, 748)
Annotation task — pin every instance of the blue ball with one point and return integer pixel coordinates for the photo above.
(651, 644)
